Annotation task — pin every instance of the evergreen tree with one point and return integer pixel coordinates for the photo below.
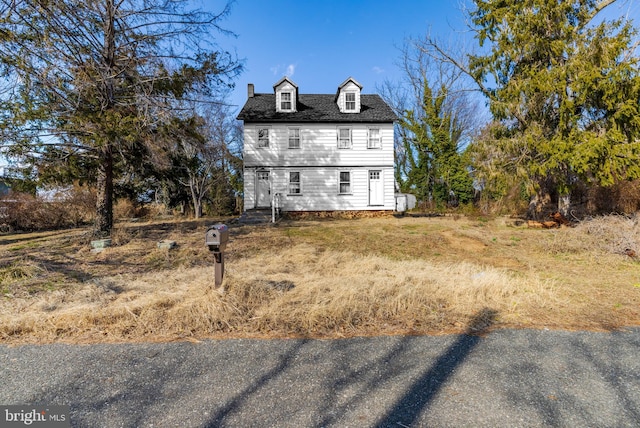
(432, 138)
(436, 119)
(564, 87)
(97, 79)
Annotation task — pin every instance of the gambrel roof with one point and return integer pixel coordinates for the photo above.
(316, 108)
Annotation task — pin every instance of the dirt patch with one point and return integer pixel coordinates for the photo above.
(463, 243)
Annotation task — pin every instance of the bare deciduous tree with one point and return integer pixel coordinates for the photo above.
(437, 116)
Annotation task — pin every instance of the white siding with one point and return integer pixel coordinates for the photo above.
(319, 162)
(249, 177)
(318, 146)
(320, 189)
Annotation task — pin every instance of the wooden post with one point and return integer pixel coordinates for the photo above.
(219, 268)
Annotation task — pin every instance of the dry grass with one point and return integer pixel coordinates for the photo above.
(319, 278)
(73, 206)
(613, 234)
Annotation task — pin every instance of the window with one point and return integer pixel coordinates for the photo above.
(375, 141)
(263, 137)
(294, 183)
(350, 101)
(344, 138)
(294, 138)
(345, 182)
(285, 101)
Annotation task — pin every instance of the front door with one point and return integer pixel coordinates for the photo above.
(263, 190)
(376, 190)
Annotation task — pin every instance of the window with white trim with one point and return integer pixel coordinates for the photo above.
(294, 138)
(344, 138)
(285, 101)
(345, 182)
(263, 137)
(375, 139)
(350, 101)
(294, 183)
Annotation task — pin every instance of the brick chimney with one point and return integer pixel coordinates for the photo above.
(250, 90)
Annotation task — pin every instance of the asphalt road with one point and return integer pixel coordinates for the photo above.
(508, 378)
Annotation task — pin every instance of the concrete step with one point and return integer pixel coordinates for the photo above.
(255, 216)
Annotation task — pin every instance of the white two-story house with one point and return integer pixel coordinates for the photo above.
(326, 152)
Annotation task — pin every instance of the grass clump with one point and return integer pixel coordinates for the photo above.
(612, 234)
(19, 270)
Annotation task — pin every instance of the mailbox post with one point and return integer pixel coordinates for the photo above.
(216, 239)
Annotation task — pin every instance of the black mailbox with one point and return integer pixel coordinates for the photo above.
(217, 237)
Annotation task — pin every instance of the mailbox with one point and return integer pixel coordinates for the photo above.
(217, 237)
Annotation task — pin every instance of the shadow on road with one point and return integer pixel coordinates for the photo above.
(359, 381)
(542, 378)
(236, 404)
(418, 396)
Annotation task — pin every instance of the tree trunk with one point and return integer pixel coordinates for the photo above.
(196, 199)
(104, 203)
(538, 202)
(197, 208)
(534, 202)
(564, 204)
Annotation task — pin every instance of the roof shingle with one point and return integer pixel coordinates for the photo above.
(316, 108)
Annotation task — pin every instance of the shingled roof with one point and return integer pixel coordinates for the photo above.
(316, 108)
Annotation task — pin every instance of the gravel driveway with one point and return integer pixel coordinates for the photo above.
(508, 378)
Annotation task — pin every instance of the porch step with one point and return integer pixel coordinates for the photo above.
(257, 216)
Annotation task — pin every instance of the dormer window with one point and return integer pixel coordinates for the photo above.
(286, 96)
(348, 96)
(350, 101)
(285, 101)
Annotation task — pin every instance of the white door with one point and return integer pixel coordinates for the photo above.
(263, 190)
(376, 190)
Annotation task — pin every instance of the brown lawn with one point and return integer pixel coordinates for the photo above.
(319, 278)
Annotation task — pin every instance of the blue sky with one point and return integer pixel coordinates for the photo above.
(319, 44)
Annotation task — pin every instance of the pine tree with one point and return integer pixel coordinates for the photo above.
(96, 79)
(564, 87)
